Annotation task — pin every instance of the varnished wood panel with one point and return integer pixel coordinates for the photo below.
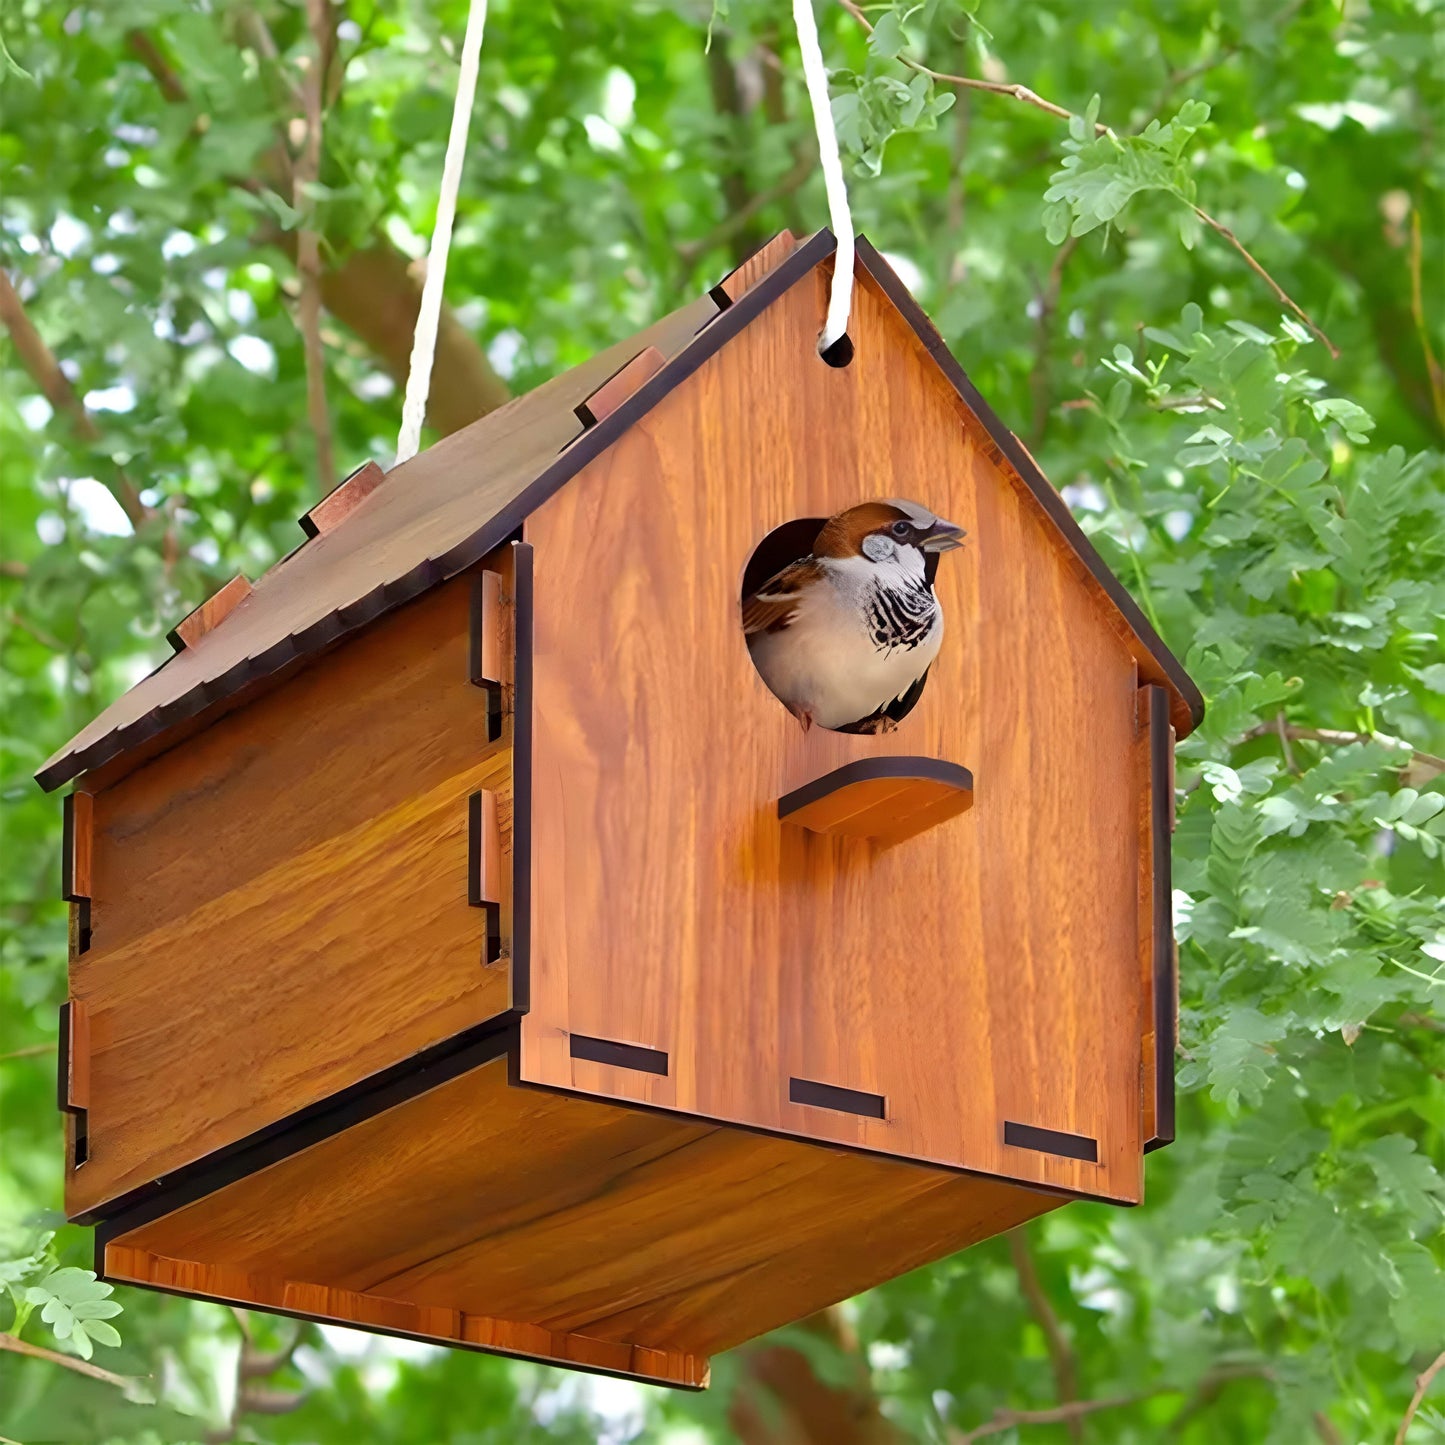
(283, 906)
(736, 283)
(342, 500)
(581, 1218)
(396, 1317)
(210, 614)
(983, 971)
(616, 389)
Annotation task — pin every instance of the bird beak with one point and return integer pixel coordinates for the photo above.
(943, 537)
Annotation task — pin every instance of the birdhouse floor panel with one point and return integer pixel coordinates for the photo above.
(286, 898)
(565, 1217)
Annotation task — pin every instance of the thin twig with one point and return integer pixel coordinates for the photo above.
(1417, 309)
(1029, 97)
(1335, 737)
(40, 362)
(1061, 1353)
(18, 1346)
(726, 229)
(1221, 229)
(308, 241)
(1282, 728)
(973, 82)
(1047, 300)
(1422, 1383)
(1077, 1409)
(32, 1051)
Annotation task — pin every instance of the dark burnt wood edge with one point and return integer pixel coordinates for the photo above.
(491, 907)
(1033, 478)
(1162, 907)
(491, 686)
(1051, 1141)
(483, 1043)
(637, 1057)
(506, 522)
(814, 1095)
(522, 678)
(867, 770)
(393, 1334)
(67, 848)
(80, 1149)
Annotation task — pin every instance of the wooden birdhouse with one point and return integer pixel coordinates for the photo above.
(468, 944)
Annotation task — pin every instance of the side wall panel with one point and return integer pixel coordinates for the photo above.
(280, 905)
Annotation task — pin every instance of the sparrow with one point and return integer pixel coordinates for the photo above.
(845, 636)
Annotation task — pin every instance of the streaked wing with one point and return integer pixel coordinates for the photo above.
(774, 605)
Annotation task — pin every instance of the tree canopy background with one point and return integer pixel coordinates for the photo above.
(1148, 305)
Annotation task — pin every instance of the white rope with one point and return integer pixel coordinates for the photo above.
(840, 298)
(424, 342)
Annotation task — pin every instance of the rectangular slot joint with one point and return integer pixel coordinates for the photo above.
(840, 1100)
(487, 645)
(620, 1056)
(484, 867)
(72, 1077)
(77, 832)
(1051, 1141)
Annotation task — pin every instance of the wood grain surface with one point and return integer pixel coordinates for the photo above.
(189, 631)
(578, 1218)
(616, 389)
(764, 259)
(343, 499)
(438, 1325)
(281, 906)
(985, 970)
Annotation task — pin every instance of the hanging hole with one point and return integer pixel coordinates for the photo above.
(840, 353)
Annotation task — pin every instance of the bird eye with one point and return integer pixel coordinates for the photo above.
(900, 530)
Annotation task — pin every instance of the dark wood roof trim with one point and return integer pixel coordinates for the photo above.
(1048, 497)
(341, 623)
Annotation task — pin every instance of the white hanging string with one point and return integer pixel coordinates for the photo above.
(840, 298)
(424, 341)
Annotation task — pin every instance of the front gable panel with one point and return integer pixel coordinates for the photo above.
(982, 978)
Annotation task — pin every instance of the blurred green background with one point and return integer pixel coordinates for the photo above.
(1276, 508)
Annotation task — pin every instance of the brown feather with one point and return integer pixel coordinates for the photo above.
(772, 606)
(842, 536)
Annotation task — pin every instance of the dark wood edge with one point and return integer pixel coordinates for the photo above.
(79, 1145)
(391, 1334)
(1048, 497)
(867, 770)
(306, 522)
(430, 573)
(522, 680)
(491, 686)
(1051, 1141)
(1162, 907)
(67, 848)
(617, 1056)
(491, 907)
(481, 1044)
(813, 1095)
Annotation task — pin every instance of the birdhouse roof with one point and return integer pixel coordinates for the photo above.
(441, 512)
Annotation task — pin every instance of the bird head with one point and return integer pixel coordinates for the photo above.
(880, 531)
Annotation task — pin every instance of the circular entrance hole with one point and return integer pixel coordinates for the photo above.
(791, 543)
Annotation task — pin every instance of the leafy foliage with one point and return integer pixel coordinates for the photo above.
(1278, 514)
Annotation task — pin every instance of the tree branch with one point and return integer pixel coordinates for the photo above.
(18, 1346)
(1221, 229)
(31, 1051)
(1029, 97)
(973, 82)
(1061, 1353)
(1333, 736)
(1077, 1409)
(370, 291)
(37, 358)
(804, 1409)
(254, 1364)
(306, 173)
(1048, 304)
(1422, 1383)
(739, 220)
